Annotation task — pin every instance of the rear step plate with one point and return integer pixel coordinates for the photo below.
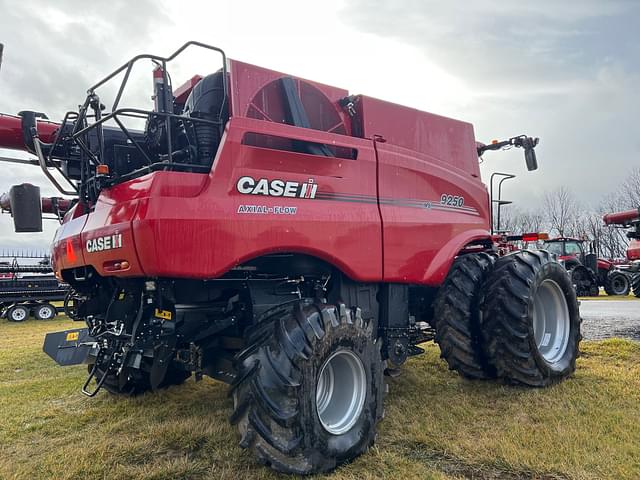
(70, 347)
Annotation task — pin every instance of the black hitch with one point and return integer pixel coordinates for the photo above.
(70, 347)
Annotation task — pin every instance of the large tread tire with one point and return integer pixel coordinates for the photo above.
(131, 383)
(635, 285)
(583, 284)
(508, 329)
(457, 317)
(274, 394)
(617, 284)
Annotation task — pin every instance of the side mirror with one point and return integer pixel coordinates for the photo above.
(530, 158)
(529, 143)
(26, 208)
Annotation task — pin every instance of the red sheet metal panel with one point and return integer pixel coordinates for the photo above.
(256, 93)
(440, 138)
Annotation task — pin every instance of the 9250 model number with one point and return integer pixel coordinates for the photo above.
(451, 200)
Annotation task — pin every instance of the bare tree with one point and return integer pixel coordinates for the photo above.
(611, 241)
(631, 189)
(561, 211)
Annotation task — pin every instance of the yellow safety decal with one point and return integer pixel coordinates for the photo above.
(72, 336)
(121, 296)
(165, 314)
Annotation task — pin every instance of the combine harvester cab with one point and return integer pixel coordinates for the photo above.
(287, 238)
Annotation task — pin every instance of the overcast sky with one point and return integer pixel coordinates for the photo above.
(568, 72)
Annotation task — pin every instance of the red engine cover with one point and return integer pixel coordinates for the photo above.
(397, 211)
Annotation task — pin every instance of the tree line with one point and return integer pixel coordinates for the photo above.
(562, 215)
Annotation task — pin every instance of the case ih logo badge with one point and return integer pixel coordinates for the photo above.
(276, 188)
(108, 242)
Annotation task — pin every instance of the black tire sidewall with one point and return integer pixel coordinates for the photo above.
(612, 279)
(554, 271)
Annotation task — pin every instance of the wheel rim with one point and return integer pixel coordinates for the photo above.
(340, 392)
(619, 285)
(551, 321)
(19, 314)
(45, 313)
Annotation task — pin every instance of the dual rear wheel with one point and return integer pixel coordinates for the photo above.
(514, 318)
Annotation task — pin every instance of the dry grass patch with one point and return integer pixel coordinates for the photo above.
(436, 426)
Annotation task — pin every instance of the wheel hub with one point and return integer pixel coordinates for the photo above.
(619, 285)
(551, 321)
(340, 392)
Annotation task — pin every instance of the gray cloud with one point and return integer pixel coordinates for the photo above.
(53, 56)
(53, 52)
(565, 71)
(495, 44)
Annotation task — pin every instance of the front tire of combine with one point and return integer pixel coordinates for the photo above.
(457, 316)
(617, 284)
(309, 390)
(532, 327)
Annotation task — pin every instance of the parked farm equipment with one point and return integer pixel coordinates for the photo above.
(629, 219)
(587, 270)
(28, 289)
(294, 241)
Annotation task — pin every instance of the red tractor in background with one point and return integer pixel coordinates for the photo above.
(292, 240)
(629, 219)
(587, 271)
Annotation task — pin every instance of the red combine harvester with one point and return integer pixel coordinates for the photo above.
(294, 241)
(587, 270)
(630, 219)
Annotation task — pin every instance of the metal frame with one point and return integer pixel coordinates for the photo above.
(505, 176)
(82, 128)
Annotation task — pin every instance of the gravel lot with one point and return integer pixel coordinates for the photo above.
(610, 318)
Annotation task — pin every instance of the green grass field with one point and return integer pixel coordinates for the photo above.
(436, 426)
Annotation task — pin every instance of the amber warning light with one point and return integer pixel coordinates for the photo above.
(534, 237)
(102, 169)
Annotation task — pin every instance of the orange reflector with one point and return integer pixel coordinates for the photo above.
(543, 236)
(116, 265)
(494, 141)
(102, 169)
(71, 254)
